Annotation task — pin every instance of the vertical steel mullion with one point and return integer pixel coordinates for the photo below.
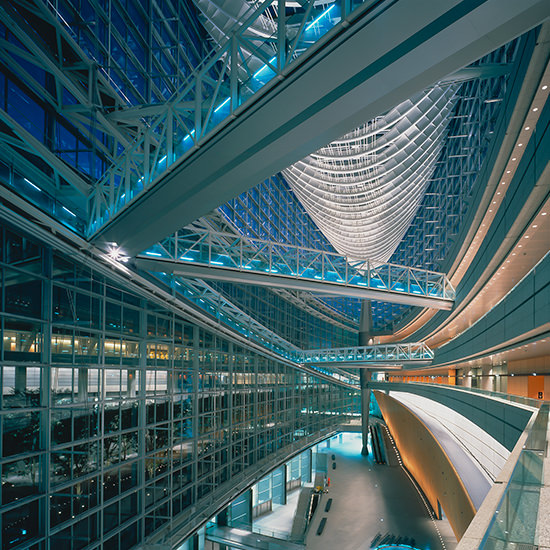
(426, 289)
(233, 77)
(281, 35)
(345, 7)
(241, 253)
(368, 273)
(230, 427)
(170, 393)
(146, 159)
(45, 394)
(169, 137)
(142, 413)
(198, 107)
(101, 394)
(195, 413)
(346, 278)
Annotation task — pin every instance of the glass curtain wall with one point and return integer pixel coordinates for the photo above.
(117, 415)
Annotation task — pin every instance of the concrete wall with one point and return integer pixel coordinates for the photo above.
(427, 462)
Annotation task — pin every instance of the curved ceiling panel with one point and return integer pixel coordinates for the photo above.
(364, 189)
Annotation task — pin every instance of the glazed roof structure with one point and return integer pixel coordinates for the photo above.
(80, 79)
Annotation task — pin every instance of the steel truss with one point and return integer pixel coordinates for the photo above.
(379, 354)
(75, 71)
(229, 255)
(214, 94)
(268, 206)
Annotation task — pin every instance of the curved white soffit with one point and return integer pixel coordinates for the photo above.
(364, 189)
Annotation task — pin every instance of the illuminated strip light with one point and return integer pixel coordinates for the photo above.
(32, 185)
(263, 68)
(188, 136)
(153, 254)
(318, 18)
(221, 105)
(67, 210)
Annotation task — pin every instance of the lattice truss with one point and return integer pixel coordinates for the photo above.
(271, 211)
(78, 80)
(296, 316)
(74, 77)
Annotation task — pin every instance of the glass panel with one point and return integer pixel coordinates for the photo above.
(20, 433)
(22, 340)
(22, 296)
(20, 386)
(20, 525)
(20, 479)
(21, 251)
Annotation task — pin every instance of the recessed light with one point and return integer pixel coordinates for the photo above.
(527, 128)
(519, 245)
(494, 202)
(498, 193)
(490, 210)
(503, 183)
(520, 144)
(513, 253)
(526, 236)
(535, 109)
(544, 87)
(508, 171)
(544, 213)
(534, 226)
(513, 158)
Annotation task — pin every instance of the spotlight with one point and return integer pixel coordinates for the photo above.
(116, 253)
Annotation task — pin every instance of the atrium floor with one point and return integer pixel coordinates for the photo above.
(370, 499)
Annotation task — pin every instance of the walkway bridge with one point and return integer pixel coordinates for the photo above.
(205, 254)
(382, 356)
